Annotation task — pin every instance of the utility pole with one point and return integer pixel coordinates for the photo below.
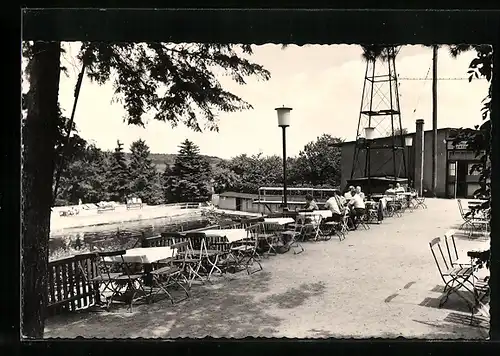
(434, 118)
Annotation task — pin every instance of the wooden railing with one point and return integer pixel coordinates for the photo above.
(69, 283)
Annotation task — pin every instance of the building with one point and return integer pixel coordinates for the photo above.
(454, 163)
(238, 201)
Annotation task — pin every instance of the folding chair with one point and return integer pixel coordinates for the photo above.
(481, 291)
(454, 278)
(269, 237)
(131, 277)
(470, 222)
(105, 281)
(247, 248)
(451, 247)
(172, 275)
(420, 202)
(199, 248)
(226, 258)
(344, 224)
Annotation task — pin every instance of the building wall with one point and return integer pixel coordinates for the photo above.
(227, 203)
(380, 168)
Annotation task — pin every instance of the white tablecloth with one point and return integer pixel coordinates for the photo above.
(324, 213)
(232, 235)
(144, 255)
(279, 221)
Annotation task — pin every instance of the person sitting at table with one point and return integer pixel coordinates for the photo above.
(399, 188)
(349, 194)
(360, 193)
(335, 206)
(311, 205)
(357, 210)
(390, 190)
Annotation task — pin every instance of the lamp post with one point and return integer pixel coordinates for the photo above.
(409, 144)
(369, 134)
(284, 122)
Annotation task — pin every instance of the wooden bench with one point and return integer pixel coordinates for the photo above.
(134, 206)
(105, 208)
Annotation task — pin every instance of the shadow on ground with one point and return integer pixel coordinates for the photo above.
(454, 302)
(295, 297)
(226, 308)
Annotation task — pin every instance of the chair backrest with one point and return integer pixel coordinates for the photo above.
(196, 239)
(437, 253)
(163, 240)
(270, 227)
(218, 243)
(451, 247)
(181, 251)
(254, 230)
(460, 207)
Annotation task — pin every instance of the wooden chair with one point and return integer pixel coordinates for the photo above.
(106, 279)
(451, 248)
(172, 275)
(246, 249)
(209, 258)
(454, 278)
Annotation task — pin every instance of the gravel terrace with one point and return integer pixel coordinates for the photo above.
(381, 282)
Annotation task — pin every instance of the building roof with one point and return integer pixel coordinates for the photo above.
(238, 195)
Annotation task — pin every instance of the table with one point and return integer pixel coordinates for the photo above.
(323, 213)
(279, 221)
(143, 255)
(232, 235)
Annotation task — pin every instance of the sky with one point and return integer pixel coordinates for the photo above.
(322, 83)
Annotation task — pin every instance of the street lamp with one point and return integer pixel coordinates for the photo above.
(284, 122)
(409, 144)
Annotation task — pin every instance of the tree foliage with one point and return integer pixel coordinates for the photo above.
(189, 179)
(479, 138)
(318, 164)
(118, 175)
(142, 173)
(174, 83)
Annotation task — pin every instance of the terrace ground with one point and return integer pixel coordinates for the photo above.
(381, 282)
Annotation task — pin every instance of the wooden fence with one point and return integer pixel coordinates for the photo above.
(69, 283)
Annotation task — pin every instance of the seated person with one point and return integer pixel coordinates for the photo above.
(399, 188)
(311, 205)
(390, 190)
(334, 205)
(349, 194)
(358, 209)
(360, 193)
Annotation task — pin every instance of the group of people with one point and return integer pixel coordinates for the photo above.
(352, 202)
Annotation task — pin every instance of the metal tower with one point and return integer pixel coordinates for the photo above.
(379, 117)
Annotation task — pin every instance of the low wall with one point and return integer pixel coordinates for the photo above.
(120, 215)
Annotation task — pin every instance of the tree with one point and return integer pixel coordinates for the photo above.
(318, 164)
(118, 175)
(142, 172)
(256, 171)
(224, 178)
(189, 179)
(39, 133)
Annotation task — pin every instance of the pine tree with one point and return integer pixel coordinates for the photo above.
(142, 172)
(189, 178)
(118, 175)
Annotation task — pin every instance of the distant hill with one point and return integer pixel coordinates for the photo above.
(161, 159)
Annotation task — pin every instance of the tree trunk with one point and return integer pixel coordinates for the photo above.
(434, 119)
(39, 131)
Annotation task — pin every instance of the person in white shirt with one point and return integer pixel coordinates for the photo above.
(390, 190)
(399, 188)
(358, 209)
(334, 205)
(349, 194)
(360, 193)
